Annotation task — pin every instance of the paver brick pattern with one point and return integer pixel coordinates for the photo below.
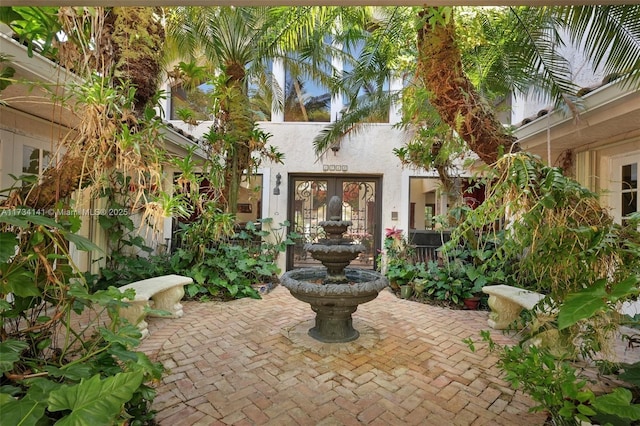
(233, 363)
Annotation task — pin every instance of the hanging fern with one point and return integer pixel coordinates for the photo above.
(560, 239)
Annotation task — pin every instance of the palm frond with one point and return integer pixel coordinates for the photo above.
(610, 35)
(534, 57)
(354, 121)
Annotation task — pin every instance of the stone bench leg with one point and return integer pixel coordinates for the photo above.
(134, 313)
(503, 312)
(169, 300)
(551, 339)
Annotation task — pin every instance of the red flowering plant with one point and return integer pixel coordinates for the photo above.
(397, 259)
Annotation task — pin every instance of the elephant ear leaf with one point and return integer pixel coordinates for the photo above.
(24, 412)
(10, 353)
(29, 410)
(618, 403)
(94, 401)
(8, 243)
(582, 304)
(587, 302)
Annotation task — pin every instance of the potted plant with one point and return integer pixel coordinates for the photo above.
(398, 263)
(400, 273)
(472, 302)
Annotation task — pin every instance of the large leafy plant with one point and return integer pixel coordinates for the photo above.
(451, 281)
(559, 388)
(53, 368)
(564, 244)
(231, 265)
(397, 260)
(463, 269)
(558, 238)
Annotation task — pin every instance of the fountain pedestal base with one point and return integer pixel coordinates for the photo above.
(334, 324)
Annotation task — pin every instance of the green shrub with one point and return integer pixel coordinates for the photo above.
(563, 243)
(559, 389)
(229, 268)
(53, 368)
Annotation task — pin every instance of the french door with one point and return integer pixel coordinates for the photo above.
(308, 201)
(624, 190)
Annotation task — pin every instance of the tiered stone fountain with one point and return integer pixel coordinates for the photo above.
(334, 292)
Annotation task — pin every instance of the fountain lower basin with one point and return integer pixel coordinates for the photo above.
(334, 303)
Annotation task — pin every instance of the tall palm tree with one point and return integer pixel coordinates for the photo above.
(226, 35)
(240, 43)
(523, 50)
(229, 39)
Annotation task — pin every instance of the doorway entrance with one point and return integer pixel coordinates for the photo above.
(308, 201)
(623, 186)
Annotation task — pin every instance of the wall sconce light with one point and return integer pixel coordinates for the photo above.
(335, 147)
(276, 190)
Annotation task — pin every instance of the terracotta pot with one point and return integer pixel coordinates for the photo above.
(471, 303)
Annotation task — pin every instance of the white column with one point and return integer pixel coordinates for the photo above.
(336, 99)
(395, 112)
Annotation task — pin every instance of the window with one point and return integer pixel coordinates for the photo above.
(629, 190)
(195, 105)
(623, 191)
(191, 105)
(34, 160)
(367, 91)
(305, 100)
(307, 71)
(261, 91)
(250, 200)
(429, 213)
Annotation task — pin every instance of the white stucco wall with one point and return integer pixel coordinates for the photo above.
(367, 153)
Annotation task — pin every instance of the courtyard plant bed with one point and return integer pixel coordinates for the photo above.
(55, 368)
(458, 275)
(238, 265)
(564, 245)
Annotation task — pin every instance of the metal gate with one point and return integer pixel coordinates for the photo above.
(308, 201)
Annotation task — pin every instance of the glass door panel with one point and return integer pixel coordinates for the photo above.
(359, 206)
(629, 190)
(308, 207)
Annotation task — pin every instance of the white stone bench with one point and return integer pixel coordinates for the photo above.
(165, 292)
(506, 303)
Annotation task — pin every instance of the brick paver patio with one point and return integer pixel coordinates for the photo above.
(250, 362)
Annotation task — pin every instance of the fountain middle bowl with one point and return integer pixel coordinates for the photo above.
(309, 281)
